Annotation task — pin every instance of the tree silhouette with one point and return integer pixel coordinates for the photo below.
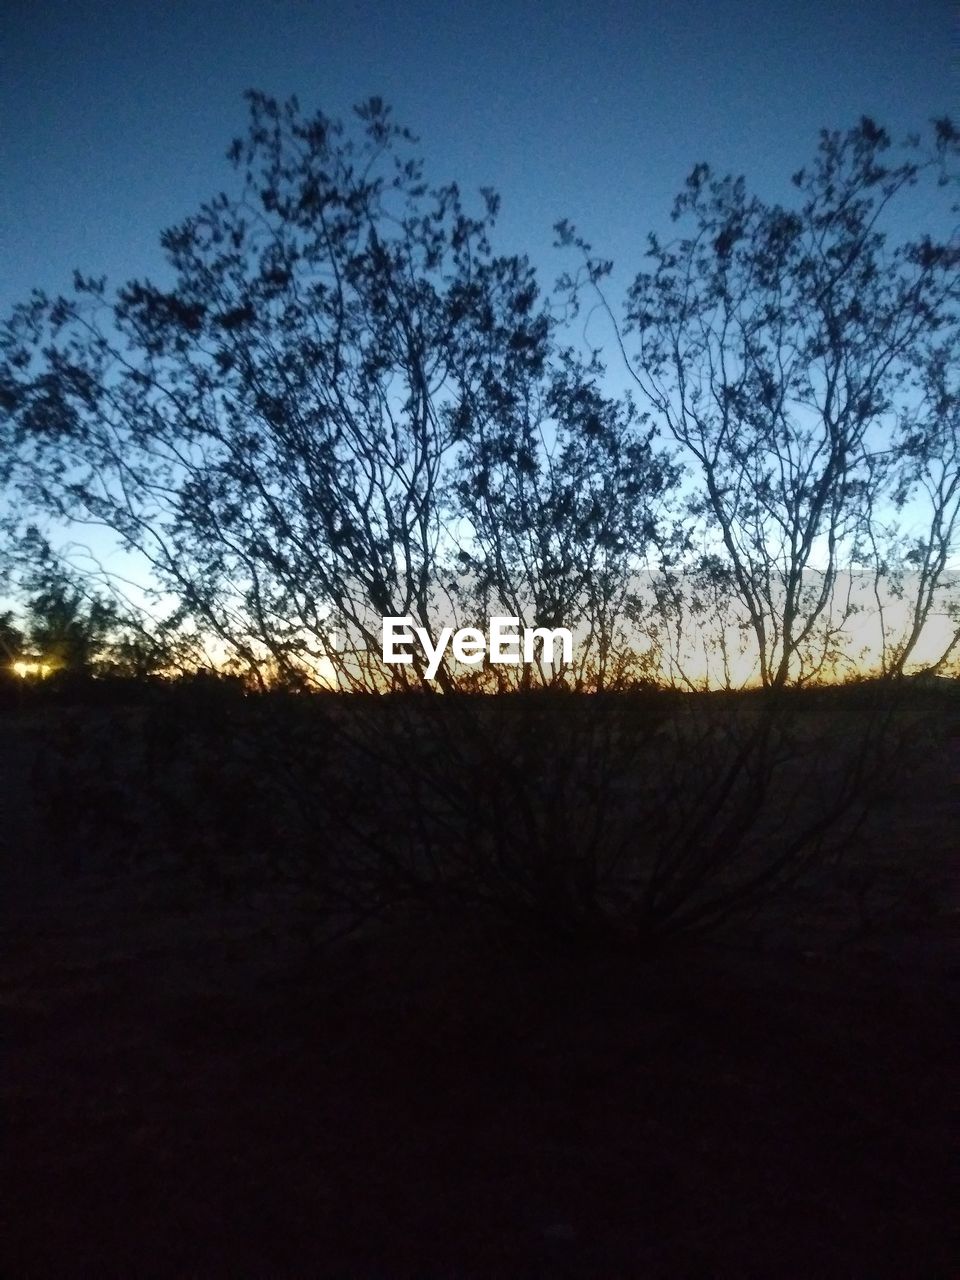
(68, 630)
(806, 363)
(347, 405)
(279, 432)
(11, 637)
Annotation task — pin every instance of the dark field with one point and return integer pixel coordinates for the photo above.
(198, 1083)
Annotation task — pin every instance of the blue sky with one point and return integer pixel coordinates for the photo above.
(114, 118)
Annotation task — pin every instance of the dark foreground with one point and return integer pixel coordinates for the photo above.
(176, 1112)
(194, 1092)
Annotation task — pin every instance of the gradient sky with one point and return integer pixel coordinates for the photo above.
(114, 118)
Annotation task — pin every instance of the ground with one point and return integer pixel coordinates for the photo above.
(194, 1089)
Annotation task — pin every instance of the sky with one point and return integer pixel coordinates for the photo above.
(115, 118)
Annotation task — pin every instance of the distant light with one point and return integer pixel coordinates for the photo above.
(24, 669)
